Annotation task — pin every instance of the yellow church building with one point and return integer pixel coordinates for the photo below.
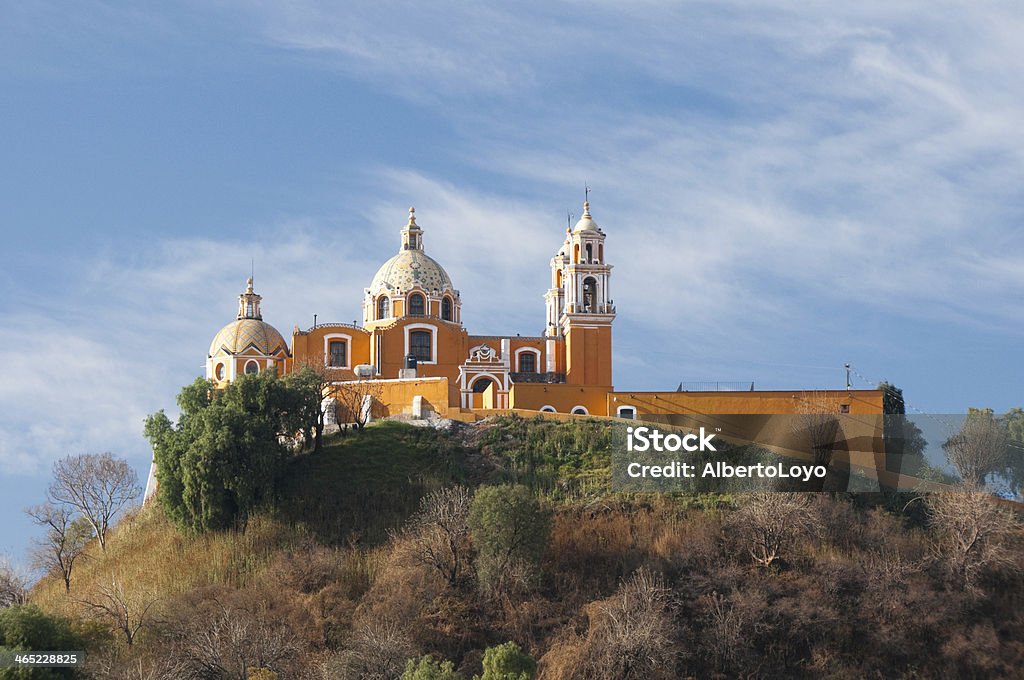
(414, 345)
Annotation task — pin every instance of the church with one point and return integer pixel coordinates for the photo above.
(414, 345)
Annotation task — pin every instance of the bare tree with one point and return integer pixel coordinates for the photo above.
(377, 650)
(818, 428)
(232, 641)
(13, 585)
(96, 485)
(128, 613)
(355, 399)
(439, 532)
(971, 532)
(65, 540)
(769, 522)
(979, 449)
(631, 638)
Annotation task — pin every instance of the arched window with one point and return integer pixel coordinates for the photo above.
(579, 411)
(590, 253)
(600, 252)
(589, 294)
(527, 362)
(252, 367)
(576, 253)
(419, 345)
(446, 308)
(548, 409)
(417, 307)
(626, 412)
(219, 371)
(558, 279)
(383, 307)
(337, 354)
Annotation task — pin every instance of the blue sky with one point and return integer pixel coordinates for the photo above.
(786, 186)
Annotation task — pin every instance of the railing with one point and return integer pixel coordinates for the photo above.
(717, 386)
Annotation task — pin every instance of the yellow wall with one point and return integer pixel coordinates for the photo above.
(588, 353)
(722, 403)
(562, 397)
(396, 396)
(308, 347)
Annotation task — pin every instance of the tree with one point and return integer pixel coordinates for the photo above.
(507, 662)
(769, 522)
(228, 450)
(13, 585)
(65, 539)
(27, 628)
(96, 485)
(127, 612)
(439, 532)
(354, 400)
(818, 428)
(312, 382)
(971, 532)
(510, 530)
(979, 448)
(425, 668)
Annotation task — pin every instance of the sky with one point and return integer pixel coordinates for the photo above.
(785, 187)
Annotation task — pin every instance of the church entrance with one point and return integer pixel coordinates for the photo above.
(485, 392)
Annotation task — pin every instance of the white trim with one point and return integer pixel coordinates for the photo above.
(547, 408)
(476, 376)
(348, 349)
(531, 350)
(581, 408)
(245, 368)
(433, 340)
(632, 409)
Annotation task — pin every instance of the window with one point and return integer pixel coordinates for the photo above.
(219, 371)
(590, 253)
(579, 411)
(416, 305)
(527, 362)
(589, 294)
(627, 412)
(419, 345)
(336, 354)
(249, 311)
(548, 409)
(383, 307)
(844, 408)
(252, 367)
(481, 385)
(446, 309)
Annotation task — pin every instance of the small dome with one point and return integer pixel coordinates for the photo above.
(586, 222)
(243, 334)
(408, 269)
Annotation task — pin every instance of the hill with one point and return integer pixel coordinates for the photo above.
(331, 580)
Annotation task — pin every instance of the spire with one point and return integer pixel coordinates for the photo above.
(249, 303)
(586, 209)
(412, 234)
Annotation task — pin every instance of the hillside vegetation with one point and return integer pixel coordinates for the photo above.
(370, 557)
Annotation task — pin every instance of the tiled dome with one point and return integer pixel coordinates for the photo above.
(242, 334)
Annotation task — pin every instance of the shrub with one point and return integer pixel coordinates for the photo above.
(507, 662)
(428, 669)
(510, 531)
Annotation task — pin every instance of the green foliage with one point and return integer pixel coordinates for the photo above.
(225, 456)
(507, 662)
(428, 669)
(27, 628)
(361, 487)
(563, 460)
(509, 529)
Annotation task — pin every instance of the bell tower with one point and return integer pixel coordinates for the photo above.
(587, 312)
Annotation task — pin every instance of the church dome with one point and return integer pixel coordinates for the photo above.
(248, 330)
(408, 269)
(411, 267)
(243, 334)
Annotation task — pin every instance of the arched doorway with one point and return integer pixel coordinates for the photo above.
(485, 392)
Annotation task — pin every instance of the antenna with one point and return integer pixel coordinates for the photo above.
(252, 267)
